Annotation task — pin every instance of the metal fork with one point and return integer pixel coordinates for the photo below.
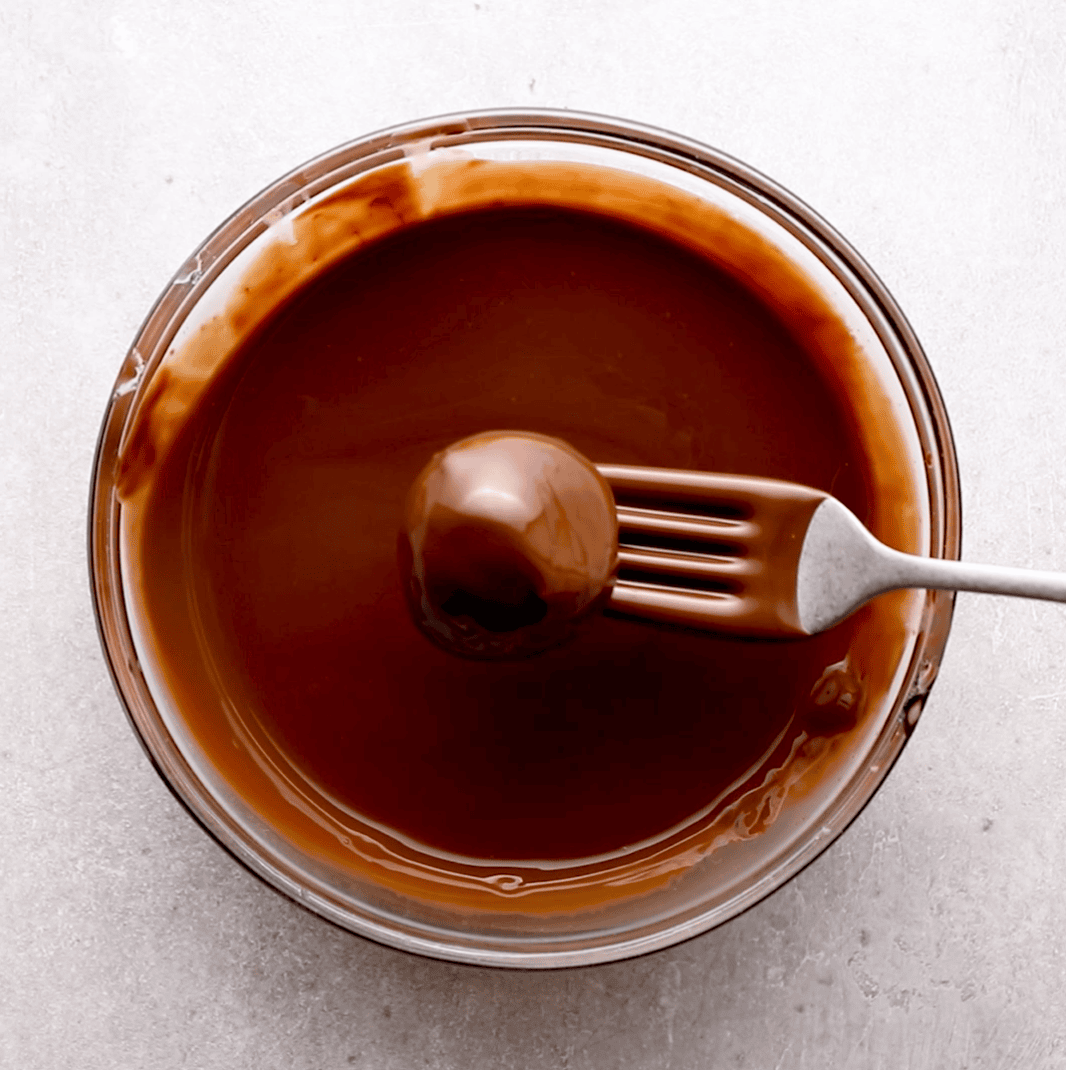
(753, 556)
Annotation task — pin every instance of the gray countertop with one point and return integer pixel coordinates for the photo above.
(933, 934)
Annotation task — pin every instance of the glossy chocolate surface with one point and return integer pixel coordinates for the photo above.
(509, 542)
(272, 521)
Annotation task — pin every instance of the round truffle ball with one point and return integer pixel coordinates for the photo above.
(509, 541)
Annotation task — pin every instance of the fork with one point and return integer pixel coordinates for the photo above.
(755, 556)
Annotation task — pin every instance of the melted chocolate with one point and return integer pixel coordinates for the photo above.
(279, 503)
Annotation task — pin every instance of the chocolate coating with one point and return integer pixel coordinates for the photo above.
(509, 542)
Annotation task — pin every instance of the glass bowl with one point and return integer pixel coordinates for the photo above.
(689, 892)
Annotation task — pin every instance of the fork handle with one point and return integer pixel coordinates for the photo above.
(843, 565)
(907, 570)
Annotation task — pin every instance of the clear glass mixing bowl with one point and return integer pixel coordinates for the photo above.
(717, 886)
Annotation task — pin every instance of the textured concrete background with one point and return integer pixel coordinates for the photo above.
(933, 135)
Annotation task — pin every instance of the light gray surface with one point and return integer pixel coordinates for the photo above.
(932, 135)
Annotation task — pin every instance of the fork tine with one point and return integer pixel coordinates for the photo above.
(685, 525)
(706, 610)
(680, 563)
(739, 495)
(697, 609)
(704, 488)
